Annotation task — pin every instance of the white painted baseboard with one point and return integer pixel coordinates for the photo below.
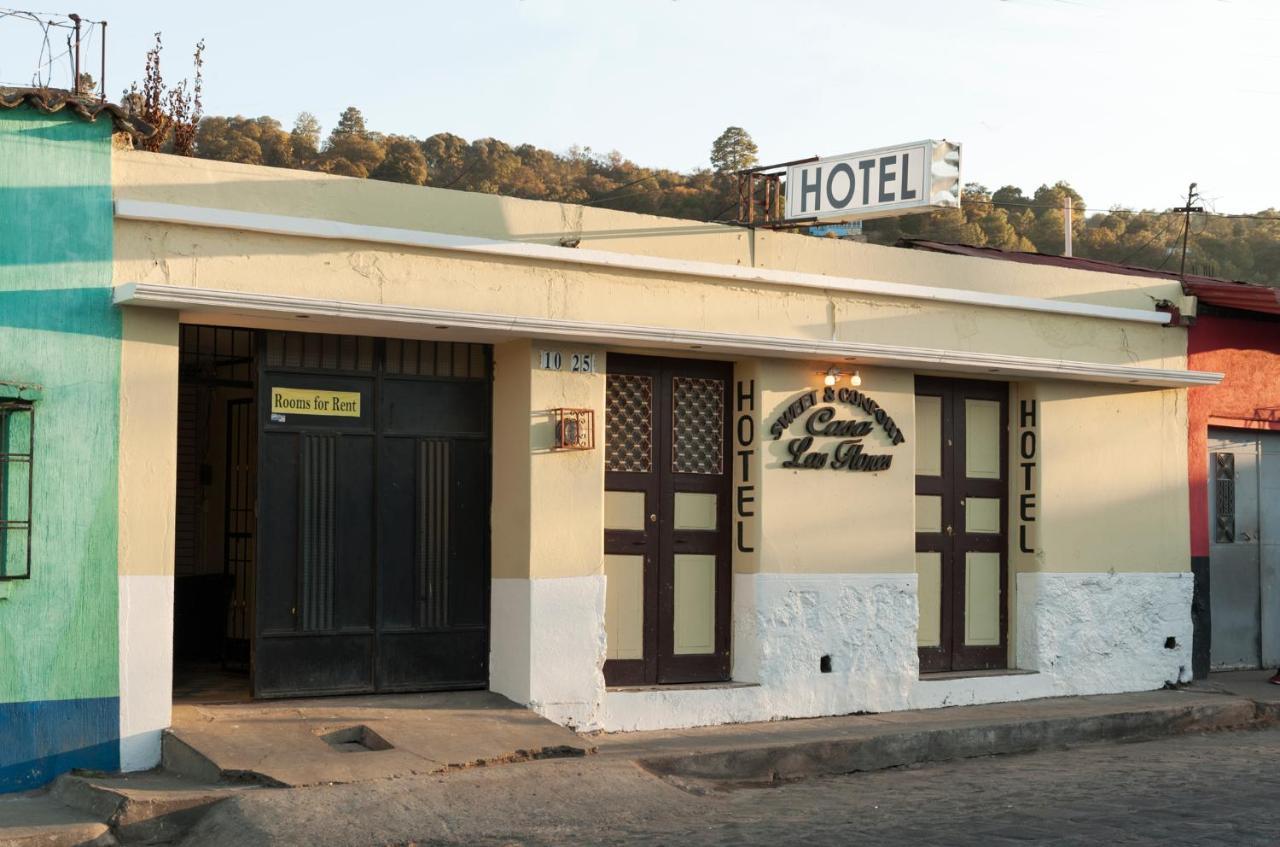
(548, 646)
(146, 667)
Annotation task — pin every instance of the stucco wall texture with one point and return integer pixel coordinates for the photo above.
(1247, 352)
(59, 681)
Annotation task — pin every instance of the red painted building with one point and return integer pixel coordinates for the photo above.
(1233, 459)
(1234, 473)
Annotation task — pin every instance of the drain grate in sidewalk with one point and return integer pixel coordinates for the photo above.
(356, 739)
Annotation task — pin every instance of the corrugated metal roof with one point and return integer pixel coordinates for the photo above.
(1236, 295)
(51, 101)
(1224, 293)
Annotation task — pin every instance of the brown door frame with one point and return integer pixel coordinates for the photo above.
(660, 542)
(953, 486)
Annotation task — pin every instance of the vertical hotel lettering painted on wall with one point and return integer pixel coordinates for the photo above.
(1028, 461)
(744, 448)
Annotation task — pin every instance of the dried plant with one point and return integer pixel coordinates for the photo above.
(185, 111)
(173, 112)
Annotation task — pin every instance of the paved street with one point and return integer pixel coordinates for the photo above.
(1194, 790)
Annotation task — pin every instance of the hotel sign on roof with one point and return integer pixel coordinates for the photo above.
(876, 183)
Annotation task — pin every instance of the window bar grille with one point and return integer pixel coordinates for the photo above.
(11, 526)
(1224, 481)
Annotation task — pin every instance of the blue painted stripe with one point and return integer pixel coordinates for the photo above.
(42, 739)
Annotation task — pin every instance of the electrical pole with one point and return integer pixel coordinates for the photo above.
(1066, 225)
(75, 83)
(1186, 210)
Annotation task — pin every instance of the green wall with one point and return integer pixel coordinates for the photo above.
(58, 630)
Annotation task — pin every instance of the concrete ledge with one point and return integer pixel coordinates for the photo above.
(154, 807)
(800, 749)
(42, 821)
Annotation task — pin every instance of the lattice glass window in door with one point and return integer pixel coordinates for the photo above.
(697, 443)
(628, 427)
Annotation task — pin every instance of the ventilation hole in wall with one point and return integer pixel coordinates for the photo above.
(1171, 643)
(824, 664)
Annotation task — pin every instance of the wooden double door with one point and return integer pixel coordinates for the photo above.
(962, 523)
(666, 540)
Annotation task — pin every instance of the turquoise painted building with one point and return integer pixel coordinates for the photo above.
(59, 414)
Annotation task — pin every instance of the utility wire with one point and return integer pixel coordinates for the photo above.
(1255, 217)
(1163, 230)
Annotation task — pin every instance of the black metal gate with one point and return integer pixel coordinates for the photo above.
(373, 541)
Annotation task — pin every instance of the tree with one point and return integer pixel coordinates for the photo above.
(350, 122)
(733, 151)
(251, 141)
(351, 149)
(404, 162)
(446, 156)
(305, 139)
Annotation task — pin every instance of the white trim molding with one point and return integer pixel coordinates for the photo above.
(173, 213)
(249, 305)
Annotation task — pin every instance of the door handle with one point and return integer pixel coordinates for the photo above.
(949, 530)
(653, 518)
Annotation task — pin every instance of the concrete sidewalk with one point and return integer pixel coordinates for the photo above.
(703, 759)
(220, 753)
(290, 743)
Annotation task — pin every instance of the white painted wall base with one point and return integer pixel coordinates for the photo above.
(1095, 633)
(783, 625)
(146, 667)
(1080, 633)
(548, 647)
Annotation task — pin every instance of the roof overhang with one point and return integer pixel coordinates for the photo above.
(262, 310)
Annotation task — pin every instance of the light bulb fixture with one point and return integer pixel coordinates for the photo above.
(832, 375)
(855, 379)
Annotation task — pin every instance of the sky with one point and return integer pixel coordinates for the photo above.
(1128, 100)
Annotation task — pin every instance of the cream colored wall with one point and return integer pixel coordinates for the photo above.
(191, 256)
(836, 521)
(335, 270)
(148, 441)
(511, 443)
(200, 182)
(1113, 479)
(548, 505)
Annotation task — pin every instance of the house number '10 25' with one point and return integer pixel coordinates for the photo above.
(554, 360)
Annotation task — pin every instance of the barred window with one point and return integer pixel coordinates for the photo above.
(17, 431)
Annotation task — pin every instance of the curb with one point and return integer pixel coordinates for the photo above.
(703, 771)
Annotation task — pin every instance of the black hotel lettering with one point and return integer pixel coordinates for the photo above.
(1027, 448)
(882, 179)
(822, 422)
(744, 441)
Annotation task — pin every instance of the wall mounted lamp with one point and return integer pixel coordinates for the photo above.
(832, 375)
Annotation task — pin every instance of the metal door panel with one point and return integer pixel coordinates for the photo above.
(374, 527)
(300, 665)
(1234, 551)
(1269, 566)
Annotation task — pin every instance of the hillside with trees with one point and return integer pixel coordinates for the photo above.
(1234, 247)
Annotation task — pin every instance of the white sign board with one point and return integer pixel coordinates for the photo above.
(876, 183)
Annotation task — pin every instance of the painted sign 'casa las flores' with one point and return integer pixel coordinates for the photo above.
(813, 416)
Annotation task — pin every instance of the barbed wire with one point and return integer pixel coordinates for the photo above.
(43, 73)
